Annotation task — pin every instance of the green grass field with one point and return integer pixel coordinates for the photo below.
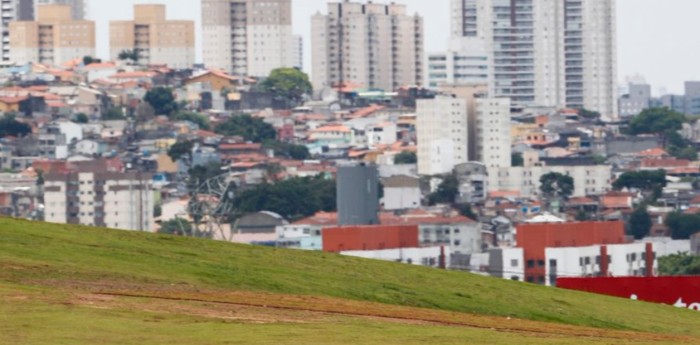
(46, 271)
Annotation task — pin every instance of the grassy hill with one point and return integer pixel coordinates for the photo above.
(63, 284)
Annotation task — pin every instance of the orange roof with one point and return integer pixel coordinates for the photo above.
(616, 202)
(504, 194)
(655, 152)
(320, 218)
(332, 128)
(664, 163)
(241, 146)
(12, 100)
(366, 111)
(135, 74)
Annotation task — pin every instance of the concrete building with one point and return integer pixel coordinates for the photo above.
(358, 195)
(12, 10)
(443, 134)
(493, 139)
(473, 181)
(54, 38)
(373, 45)
(401, 193)
(692, 97)
(297, 51)
(78, 7)
(673, 102)
(248, 37)
(588, 179)
(465, 62)
(105, 199)
(156, 39)
(547, 53)
(636, 100)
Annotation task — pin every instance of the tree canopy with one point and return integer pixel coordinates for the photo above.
(683, 225)
(556, 185)
(181, 149)
(162, 100)
(289, 84)
(10, 127)
(639, 223)
(113, 113)
(517, 160)
(250, 128)
(197, 119)
(88, 60)
(643, 180)
(132, 55)
(588, 114)
(309, 195)
(287, 150)
(446, 192)
(656, 121)
(681, 264)
(406, 157)
(81, 118)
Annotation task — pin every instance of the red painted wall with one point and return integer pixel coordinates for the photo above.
(534, 238)
(682, 292)
(369, 238)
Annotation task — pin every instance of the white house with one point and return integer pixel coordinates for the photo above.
(401, 192)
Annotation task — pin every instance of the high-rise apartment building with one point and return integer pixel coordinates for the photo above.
(53, 38)
(155, 39)
(78, 7)
(465, 62)
(373, 45)
(559, 53)
(442, 128)
(12, 10)
(105, 199)
(247, 37)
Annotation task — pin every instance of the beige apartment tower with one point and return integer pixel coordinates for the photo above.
(157, 41)
(248, 37)
(54, 38)
(373, 45)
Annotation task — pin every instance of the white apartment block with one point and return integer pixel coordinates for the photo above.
(78, 7)
(493, 132)
(465, 62)
(297, 51)
(547, 53)
(115, 200)
(588, 179)
(248, 37)
(443, 134)
(371, 45)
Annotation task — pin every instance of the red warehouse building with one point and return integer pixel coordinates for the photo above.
(377, 237)
(535, 238)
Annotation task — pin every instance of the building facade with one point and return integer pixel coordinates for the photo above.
(105, 199)
(442, 127)
(78, 7)
(493, 139)
(54, 38)
(358, 195)
(12, 10)
(636, 100)
(465, 62)
(248, 37)
(372, 45)
(155, 39)
(547, 53)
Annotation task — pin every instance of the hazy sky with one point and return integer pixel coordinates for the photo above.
(657, 39)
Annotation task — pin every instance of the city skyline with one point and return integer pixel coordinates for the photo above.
(634, 33)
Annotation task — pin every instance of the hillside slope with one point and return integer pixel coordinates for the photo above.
(46, 269)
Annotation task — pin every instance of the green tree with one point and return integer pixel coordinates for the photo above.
(10, 127)
(289, 84)
(446, 192)
(287, 150)
(132, 55)
(81, 118)
(248, 127)
(113, 113)
(639, 223)
(556, 185)
(179, 227)
(516, 159)
(88, 60)
(681, 264)
(406, 157)
(657, 121)
(162, 100)
(582, 216)
(467, 211)
(309, 195)
(197, 119)
(201, 173)
(647, 181)
(181, 150)
(683, 225)
(588, 114)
